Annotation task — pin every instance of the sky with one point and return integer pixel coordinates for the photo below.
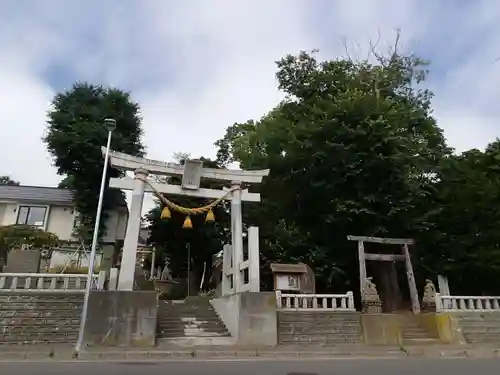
(196, 67)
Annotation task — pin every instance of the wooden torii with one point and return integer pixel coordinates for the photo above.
(405, 256)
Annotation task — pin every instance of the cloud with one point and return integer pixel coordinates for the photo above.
(196, 67)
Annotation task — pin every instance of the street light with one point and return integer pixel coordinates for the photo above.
(110, 125)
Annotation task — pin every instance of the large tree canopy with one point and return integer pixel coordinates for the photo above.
(75, 136)
(352, 150)
(465, 236)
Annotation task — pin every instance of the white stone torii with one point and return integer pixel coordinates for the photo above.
(142, 167)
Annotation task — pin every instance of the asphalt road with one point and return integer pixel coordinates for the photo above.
(262, 367)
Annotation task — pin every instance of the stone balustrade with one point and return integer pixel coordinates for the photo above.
(467, 303)
(48, 282)
(321, 302)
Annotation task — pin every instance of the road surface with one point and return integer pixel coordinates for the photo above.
(262, 367)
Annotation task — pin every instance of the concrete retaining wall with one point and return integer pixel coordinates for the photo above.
(480, 327)
(39, 317)
(250, 317)
(381, 329)
(389, 328)
(121, 318)
(318, 327)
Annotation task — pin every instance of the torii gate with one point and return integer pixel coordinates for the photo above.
(191, 173)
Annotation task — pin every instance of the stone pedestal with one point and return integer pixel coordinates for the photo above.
(121, 318)
(108, 252)
(372, 307)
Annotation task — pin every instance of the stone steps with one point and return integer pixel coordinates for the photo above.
(319, 339)
(421, 341)
(182, 322)
(198, 342)
(299, 316)
(415, 334)
(318, 330)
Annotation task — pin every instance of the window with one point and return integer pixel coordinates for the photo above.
(32, 215)
(293, 282)
(76, 221)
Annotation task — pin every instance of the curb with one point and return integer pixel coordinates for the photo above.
(116, 355)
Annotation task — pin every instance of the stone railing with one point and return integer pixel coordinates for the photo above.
(48, 282)
(467, 303)
(320, 302)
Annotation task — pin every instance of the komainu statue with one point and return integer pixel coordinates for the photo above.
(370, 299)
(429, 298)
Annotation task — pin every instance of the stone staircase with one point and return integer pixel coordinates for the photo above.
(414, 334)
(480, 328)
(318, 328)
(190, 322)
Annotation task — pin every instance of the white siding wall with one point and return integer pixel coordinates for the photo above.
(10, 214)
(60, 222)
(61, 258)
(3, 207)
(61, 219)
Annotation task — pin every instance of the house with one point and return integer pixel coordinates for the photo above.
(52, 209)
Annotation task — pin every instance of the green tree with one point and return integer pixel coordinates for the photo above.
(352, 150)
(75, 134)
(204, 239)
(465, 235)
(19, 236)
(66, 182)
(6, 180)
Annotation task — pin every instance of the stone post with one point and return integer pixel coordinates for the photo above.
(253, 259)
(444, 289)
(101, 280)
(226, 269)
(153, 259)
(129, 256)
(236, 234)
(113, 279)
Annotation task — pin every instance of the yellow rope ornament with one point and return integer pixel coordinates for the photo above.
(169, 205)
(165, 213)
(210, 218)
(187, 223)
